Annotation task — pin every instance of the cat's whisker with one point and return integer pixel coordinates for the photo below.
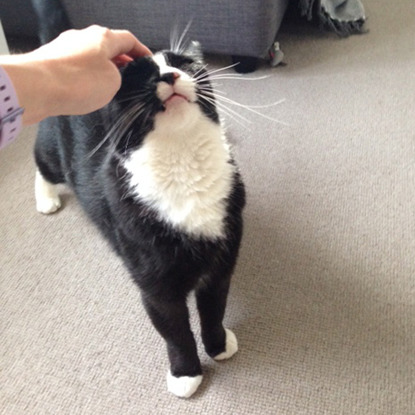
(220, 94)
(212, 88)
(136, 96)
(235, 77)
(227, 111)
(227, 114)
(251, 108)
(130, 133)
(126, 123)
(132, 97)
(181, 47)
(177, 44)
(173, 38)
(208, 74)
(216, 74)
(120, 127)
(196, 74)
(215, 87)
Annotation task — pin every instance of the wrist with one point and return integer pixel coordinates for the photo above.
(10, 110)
(34, 86)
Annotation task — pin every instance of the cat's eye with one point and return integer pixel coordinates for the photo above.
(144, 68)
(178, 61)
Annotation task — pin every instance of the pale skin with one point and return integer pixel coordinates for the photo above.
(75, 74)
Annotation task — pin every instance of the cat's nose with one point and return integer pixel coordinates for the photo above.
(170, 77)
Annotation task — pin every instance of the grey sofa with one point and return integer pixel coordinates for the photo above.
(245, 28)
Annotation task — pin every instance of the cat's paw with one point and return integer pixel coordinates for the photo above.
(47, 205)
(231, 346)
(47, 198)
(183, 386)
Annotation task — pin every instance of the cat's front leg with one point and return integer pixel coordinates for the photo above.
(47, 198)
(211, 296)
(171, 319)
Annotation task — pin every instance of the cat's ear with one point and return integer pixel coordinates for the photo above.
(194, 51)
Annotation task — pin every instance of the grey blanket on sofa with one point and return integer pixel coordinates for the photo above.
(342, 16)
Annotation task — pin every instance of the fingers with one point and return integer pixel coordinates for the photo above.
(121, 60)
(124, 42)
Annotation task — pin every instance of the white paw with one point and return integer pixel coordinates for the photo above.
(183, 386)
(47, 198)
(231, 346)
(48, 205)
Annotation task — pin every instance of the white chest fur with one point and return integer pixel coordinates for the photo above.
(185, 175)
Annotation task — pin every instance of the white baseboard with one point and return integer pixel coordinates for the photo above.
(4, 49)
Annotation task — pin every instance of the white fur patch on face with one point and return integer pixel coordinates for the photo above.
(184, 84)
(183, 172)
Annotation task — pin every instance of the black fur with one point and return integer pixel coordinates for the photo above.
(167, 264)
(52, 19)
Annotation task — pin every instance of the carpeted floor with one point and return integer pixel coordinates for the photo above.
(323, 298)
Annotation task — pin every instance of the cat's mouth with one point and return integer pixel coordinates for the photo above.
(175, 97)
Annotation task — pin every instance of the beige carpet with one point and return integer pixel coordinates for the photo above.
(323, 298)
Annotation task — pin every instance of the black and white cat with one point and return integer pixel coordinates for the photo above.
(155, 173)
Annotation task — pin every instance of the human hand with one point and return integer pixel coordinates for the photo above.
(74, 74)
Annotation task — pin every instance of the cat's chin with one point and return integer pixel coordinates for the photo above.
(177, 105)
(178, 112)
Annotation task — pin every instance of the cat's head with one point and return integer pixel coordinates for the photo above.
(167, 90)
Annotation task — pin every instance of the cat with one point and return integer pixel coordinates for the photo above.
(154, 172)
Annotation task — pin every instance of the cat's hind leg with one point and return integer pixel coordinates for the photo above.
(47, 198)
